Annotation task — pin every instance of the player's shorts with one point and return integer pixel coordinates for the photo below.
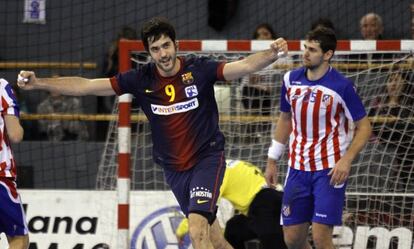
(12, 218)
(198, 188)
(309, 197)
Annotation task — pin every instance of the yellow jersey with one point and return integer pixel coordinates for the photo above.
(242, 181)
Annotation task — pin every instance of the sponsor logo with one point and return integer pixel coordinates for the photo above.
(157, 230)
(175, 108)
(286, 210)
(200, 192)
(345, 237)
(296, 83)
(321, 215)
(187, 78)
(191, 91)
(199, 201)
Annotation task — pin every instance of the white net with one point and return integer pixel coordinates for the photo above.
(380, 192)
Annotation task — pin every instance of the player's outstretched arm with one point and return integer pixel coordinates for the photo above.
(257, 61)
(280, 137)
(76, 86)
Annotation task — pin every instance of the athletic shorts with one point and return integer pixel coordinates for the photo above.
(12, 217)
(198, 188)
(309, 197)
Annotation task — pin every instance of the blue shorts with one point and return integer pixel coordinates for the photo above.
(198, 188)
(308, 197)
(12, 217)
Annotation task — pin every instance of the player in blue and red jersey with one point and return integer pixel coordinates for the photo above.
(177, 96)
(12, 217)
(319, 109)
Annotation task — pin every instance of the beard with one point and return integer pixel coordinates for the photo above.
(312, 66)
(171, 61)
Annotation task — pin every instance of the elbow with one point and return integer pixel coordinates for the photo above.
(16, 136)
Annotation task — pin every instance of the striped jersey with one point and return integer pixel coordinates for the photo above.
(323, 112)
(9, 106)
(181, 110)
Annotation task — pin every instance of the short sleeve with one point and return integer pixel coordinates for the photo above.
(354, 108)
(284, 104)
(9, 104)
(125, 82)
(213, 69)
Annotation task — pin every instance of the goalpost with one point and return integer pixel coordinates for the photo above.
(380, 194)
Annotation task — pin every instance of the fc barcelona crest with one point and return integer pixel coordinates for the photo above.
(187, 78)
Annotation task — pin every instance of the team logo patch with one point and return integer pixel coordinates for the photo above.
(187, 78)
(327, 100)
(286, 210)
(191, 91)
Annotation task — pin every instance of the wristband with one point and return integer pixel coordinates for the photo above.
(275, 150)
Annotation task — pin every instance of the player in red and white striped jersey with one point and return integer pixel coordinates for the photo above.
(12, 218)
(319, 111)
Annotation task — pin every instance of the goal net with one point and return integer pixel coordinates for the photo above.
(380, 194)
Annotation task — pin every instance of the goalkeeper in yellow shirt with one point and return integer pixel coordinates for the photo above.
(258, 206)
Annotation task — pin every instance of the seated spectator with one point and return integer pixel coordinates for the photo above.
(62, 130)
(264, 32)
(371, 27)
(256, 88)
(111, 63)
(323, 22)
(111, 68)
(397, 134)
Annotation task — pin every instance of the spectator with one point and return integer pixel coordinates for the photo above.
(371, 27)
(397, 134)
(323, 22)
(256, 87)
(62, 130)
(264, 32)
(111, 62)
(111, 68)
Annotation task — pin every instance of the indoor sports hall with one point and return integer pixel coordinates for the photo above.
(85, 169)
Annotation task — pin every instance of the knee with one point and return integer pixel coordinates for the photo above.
(322, 241)
(292, 241)
(19, 242)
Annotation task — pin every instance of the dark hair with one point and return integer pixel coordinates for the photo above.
(127, 32)
(323, 22)
(325, 36)
(266, 26)
(155, 28)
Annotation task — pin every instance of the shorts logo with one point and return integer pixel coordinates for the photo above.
(187, 78)
(321, 215)
(286, 210)
(200, 192)
(175, 108)
(199, 201)
(191, 91)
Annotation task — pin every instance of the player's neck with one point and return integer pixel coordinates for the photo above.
(318, 72)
